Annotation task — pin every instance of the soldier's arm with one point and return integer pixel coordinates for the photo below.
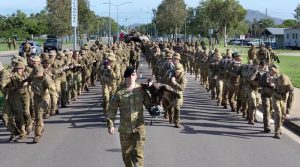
(112, 110)
(115, 73)
(290, 99)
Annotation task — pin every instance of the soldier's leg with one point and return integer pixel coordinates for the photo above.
(169, 113)
(63, 93)
(138, 148)
(277, 116)
(252, 107)
(106, 94)
(266, 113)
(224, 95)
(126, 147)
(58, 92)
(231, 97)
(19, 117)
(219, 91)
(40, 105)
(26, 109)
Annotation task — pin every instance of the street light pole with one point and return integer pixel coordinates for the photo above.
(117, 5)
(109, 29)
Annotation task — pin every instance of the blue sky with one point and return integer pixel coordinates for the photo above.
(140, 11)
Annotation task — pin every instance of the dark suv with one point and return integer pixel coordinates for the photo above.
(52, 44)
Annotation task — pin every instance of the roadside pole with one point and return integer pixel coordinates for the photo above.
(74, 20)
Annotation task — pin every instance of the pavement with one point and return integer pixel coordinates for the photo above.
(210, 136)
(293, 123)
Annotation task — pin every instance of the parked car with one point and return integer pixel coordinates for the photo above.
(52, 44)
(35, 48)
(255, 42)
(231, 41)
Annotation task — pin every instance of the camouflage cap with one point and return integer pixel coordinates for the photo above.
(37, 71)
(177, 56)
(52, 53)
(84, 48)
(82, 52)
(67, 52)
(47, 61)
(111, 57)
(19, 65)
(60, 54)
(1, 66)
(168, 56)
(179, 67)
(114, 48)
(35, 58)
(23, 60)
(44, 55)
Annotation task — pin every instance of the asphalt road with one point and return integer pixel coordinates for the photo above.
(5, 56)
(210, 137)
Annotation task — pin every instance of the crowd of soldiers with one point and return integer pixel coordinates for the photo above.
(36, 86)
(247, 87)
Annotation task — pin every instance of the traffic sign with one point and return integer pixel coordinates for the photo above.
(74, 13)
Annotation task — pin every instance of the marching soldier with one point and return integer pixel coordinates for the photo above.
(282, 99)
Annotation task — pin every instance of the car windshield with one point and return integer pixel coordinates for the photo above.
(51, 40)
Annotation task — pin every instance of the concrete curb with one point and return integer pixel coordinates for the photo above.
(289, 124)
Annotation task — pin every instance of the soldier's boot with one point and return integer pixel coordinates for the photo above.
(244, 114)
(21, 138)
(233, 110)
(47, 116)
(255, 120)
(57, 111)
(177, 125)
(51, 113)
(36, 139)
(267, 130)
(251, 122)
(276, 136)
(29, 128)
(218, 102)
(12, 138)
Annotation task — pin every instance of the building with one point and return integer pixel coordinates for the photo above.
(292, 38)
(273, 37)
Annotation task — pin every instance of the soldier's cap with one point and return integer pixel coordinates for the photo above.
(15, 57)
(35, 58)
(47, 61)
(179, 67)
(216, 50)
(23, 60)
(114, 48)
(19, 65)
(129, 71)
(177, 56)
(168, 56)
(45, 55)
(111, 57)
(60, 54)
(1, 66)
(218, 56)
(82, 52)
(67, 52)
(52, 53)
(85, 47)
(37, 71)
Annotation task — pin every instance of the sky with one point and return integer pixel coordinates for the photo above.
(140, 11)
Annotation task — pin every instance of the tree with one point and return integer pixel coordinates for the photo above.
(170, 15)
(60, 13)
(297, 13)
(289, 23)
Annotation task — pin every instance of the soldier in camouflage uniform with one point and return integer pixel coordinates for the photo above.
(252, 55)
(178, 83)
(77, 80)
(282, 99)
(263, 54)
(109, 74)
(267, 87)
(4, 81)
(130, 99)
(234, 72)
(42, 86)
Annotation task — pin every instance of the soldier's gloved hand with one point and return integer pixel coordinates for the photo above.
(111, 130)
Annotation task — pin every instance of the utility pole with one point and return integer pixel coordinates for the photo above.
(74, 20)
(109, 24)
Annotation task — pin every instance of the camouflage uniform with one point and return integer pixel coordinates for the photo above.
(263, 54)
(131, 128)
(252, 56)
(178, 86)
(282, 99)
(266, 95)
(42, 86)
(108, 80)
